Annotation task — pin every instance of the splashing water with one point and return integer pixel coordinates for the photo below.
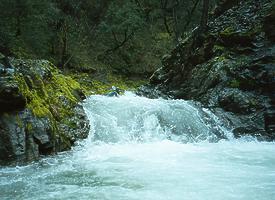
(148, 149)
(138, 119)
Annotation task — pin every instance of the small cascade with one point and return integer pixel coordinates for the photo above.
(131, 118)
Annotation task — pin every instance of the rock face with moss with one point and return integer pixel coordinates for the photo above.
(231, 69)
(40, 112)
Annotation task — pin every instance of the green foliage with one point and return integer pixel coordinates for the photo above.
(123, 36)
(228, 31)
(103, 86)
(122, 16)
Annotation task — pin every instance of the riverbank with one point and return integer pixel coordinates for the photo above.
(41, 111)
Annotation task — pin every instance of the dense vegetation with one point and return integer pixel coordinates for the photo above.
(123, 36)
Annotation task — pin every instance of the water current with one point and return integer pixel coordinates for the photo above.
(149, 149)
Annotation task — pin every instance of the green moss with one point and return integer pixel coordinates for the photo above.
(234, 84)
(19, 121)
(50, 98)
(35, 100)
(29, 127)
(254, 102)
(65, 86)
(248, 34)
(228, 31)
(103, 85)
(70, 123)
(218, 48)
(221, 58)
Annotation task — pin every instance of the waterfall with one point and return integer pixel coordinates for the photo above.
(131, 118)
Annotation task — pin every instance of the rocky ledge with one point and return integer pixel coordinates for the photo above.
(40, 112)
(231, 71)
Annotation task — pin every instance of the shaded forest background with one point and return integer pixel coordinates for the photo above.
(122, 36)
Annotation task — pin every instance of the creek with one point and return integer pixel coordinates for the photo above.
(150, 149)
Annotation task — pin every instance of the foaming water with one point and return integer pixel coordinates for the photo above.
(131, 118)
(149, 149)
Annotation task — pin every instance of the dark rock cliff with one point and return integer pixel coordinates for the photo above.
(39, 110)
(231, 71)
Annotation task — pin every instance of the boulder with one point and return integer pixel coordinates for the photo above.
(237, 101)
(231, 71)
(40, 112)
(10, 96)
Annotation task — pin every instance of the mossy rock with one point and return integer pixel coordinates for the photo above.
(231, 36)
(51, 100)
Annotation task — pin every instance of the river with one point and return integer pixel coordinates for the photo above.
(149, 149)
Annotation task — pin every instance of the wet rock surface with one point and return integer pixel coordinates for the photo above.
(40, 112)
(231, 72)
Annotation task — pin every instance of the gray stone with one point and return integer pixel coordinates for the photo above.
(24, 135)
(231, 71)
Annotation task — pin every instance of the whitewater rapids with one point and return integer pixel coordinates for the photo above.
(149, 149)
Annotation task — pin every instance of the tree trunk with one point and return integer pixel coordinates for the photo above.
(190, 15)
(204, 17)
(163, 4)
(63, 44)
(200, 33)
